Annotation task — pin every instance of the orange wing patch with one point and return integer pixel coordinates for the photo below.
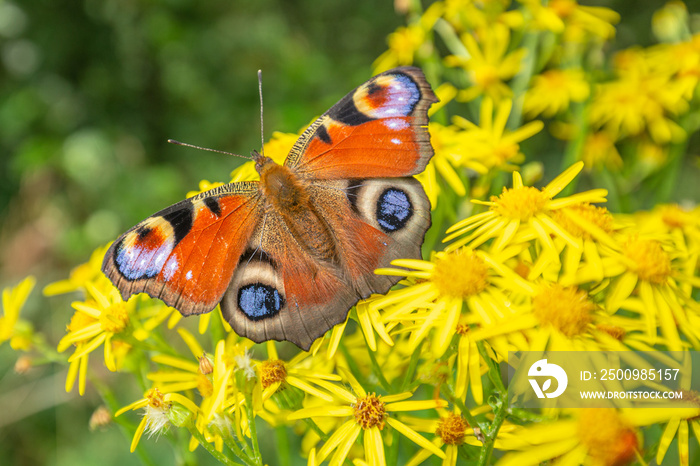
(377, 130)
(378, 148)
(185, 254)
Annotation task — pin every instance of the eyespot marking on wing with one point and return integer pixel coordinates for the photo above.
(143, 253)
(393, 95)
(394, 209)
(259, 301)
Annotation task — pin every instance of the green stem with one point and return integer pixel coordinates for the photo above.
(669, 175)
(392, 456)
(378, 371)
(494, 370)
(283, 452)
(233, 446)
(492, 432)
(575, 146)
(220, 457)
(451, 39)
(412, 365)
(257, 457)
(354, 369)
(522, 80)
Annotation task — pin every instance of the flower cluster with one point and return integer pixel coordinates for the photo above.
(512, 265)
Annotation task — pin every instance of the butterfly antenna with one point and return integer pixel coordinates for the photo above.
(262, 133)
(173, 141)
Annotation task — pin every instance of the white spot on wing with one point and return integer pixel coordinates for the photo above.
(170, 268)
(396, 124)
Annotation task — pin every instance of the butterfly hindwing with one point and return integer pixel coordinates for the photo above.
(377, 130)
(281, 291)
(375, 221)
(185, 254)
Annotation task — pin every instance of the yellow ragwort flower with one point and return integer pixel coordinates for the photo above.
(91, 271)
(446, 283)
(299, 372)
(552, 92)
(160, 412)
(489, 145)
(523, 213)
(489, 64)
(95, 322)
(369, 413)
(641, 98)
(576, 22)
(12, 328)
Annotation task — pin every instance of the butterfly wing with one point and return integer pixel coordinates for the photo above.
(281, 291)
(377, 130)
(374, 221)
(186, 254)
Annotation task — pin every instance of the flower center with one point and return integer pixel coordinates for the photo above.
(519, 203)
(505, 152)
(598, 216)
(370, 411)
(486, 76)
(115, 318)
(652, 262)
(460, 274)
(567, 309)
(462, 328)
(272, 371)
(155, 399)
(452, 429)
(563, 8)
(607, 437)
(157, 411)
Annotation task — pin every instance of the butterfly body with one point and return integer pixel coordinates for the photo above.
(289, 255)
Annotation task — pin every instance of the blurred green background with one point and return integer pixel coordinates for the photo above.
(89, 93)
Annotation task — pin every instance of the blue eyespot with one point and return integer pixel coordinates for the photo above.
(137, 261)
(260, 301)
(394, 209)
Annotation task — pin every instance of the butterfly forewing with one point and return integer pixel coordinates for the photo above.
(377, 130)
(186, 254)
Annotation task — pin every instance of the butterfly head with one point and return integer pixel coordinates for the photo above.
(262, 163)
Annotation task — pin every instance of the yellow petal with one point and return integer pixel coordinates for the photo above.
(336, 411)
(414, 436)
(349, 432)
(308, 388)
(415, 405)
(191, 342)
(555, 186)
(374, 447)
(667, 438)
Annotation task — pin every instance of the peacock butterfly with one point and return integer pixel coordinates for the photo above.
(289, 255)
